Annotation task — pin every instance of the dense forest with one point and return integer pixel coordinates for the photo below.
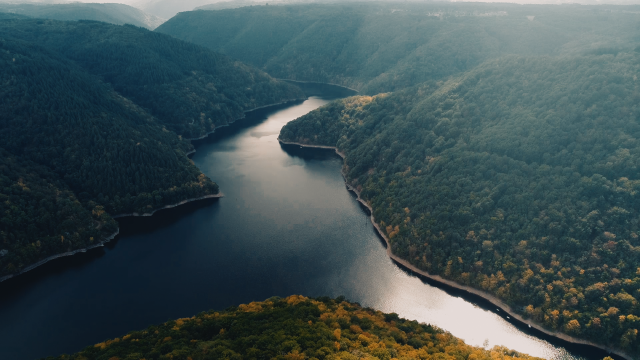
(293, 328)
(75, 148)
(188, 88)
(519, 178)
(40, 216)
(379, 47)
(499, 148)
(118, 14)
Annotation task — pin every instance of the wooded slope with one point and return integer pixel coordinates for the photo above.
(519, 178)
(293, 328)
(383, 47)
(188, 88)
(77, 147)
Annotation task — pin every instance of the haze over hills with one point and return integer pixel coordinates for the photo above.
(169, 8)
(12, 16)
(88, 110)
(166, 9)
(118, 14)
(389, 46)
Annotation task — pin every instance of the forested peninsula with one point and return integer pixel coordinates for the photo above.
(292, 328)
(93, 118)
(519, 178)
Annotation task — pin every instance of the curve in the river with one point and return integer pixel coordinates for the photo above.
(287, 225)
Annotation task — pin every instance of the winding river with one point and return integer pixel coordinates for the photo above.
(286, 225)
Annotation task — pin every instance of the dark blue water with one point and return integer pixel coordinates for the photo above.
(286, 225)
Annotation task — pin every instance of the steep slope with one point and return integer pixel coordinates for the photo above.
(190, 89)
(40, 216)
(519, 178)
(118, 14)
(388, 46)
(292, 328)
(75, 150)
(109, 152)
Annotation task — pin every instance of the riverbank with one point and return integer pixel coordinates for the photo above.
(487, 296)
(315, 82)
(218, 195)
(105, 240)
(244, 115)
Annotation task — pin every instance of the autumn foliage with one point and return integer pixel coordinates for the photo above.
(293, 328)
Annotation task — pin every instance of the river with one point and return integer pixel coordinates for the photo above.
(286, 225)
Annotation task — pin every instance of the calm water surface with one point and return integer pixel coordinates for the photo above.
(286, 225)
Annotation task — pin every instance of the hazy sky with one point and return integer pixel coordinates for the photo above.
(143, 3)
(168, 8)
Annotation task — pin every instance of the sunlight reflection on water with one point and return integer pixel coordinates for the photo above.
(373, 280)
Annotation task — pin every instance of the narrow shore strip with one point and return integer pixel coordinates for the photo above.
(244, 115)
(107, 238)
(485, 295)
(212, 196)
(315, 82)
(101, 243)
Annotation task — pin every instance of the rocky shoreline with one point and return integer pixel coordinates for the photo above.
(489, 297)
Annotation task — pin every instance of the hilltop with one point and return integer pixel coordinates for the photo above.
(295, 327)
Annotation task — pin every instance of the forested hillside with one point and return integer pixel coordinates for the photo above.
(118, 14)
(188, 88)
(293, 328)
(86, 124)
(389, 46)
(40, 216)
(88, 141)
(520, 178)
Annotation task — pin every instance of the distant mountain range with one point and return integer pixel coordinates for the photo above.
(118, 14)
(389, 46)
